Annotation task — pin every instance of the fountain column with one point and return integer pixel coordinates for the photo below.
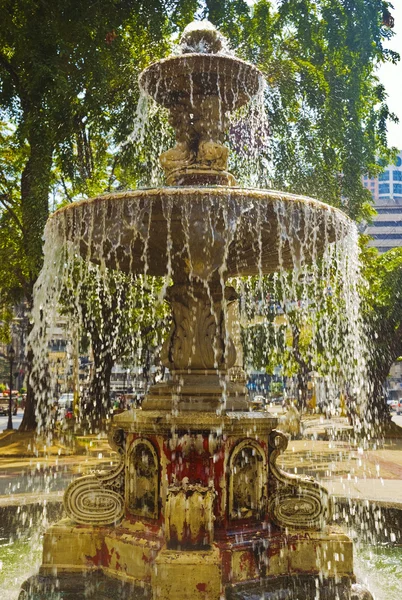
(198, 352)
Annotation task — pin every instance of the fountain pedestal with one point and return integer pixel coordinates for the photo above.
(198, 508)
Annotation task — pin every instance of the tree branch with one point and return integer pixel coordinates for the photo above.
(6, 204)
(5, 63)
(63, 183)
(111, 176)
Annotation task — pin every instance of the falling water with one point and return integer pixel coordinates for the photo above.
(116, 231)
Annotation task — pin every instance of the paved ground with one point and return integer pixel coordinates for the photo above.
(373, 472)
(16, 420)
(397, 419)
(31, 468)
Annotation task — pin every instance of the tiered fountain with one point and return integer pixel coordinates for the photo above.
(198, 507)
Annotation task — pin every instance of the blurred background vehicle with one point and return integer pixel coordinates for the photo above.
(4, 402)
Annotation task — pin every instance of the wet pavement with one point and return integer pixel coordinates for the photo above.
(16, 420)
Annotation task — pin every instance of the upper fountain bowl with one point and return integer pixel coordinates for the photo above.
(204, 68)
(199, 88)
(181, 79)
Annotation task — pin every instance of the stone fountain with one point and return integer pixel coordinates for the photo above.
(197, 506)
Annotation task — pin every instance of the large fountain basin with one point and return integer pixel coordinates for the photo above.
(199, 231)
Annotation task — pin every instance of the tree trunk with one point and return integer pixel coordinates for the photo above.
(35, 185)
(303, 371)
(378, 416)
(29, 422)
(98, 405)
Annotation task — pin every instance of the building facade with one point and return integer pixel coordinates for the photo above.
(386, 190)
(386, 228)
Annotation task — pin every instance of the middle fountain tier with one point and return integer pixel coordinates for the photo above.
(198, 507)
(199, 237)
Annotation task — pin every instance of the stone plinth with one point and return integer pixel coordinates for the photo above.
(206, 510)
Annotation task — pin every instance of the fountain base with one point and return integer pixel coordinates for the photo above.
(131, 564)
(203, 392)
(197, 508)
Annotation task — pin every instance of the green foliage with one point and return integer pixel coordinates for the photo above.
(300, 322)
(14, 275)
(119, 318)
(383, 305)
(276, 387)
(69, 84)
(327, 109)
(384, 282)
(6, 317)
(382, 313)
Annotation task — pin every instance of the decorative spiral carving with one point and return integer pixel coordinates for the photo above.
(297, 508)
(88, 503)
(114, 479)
(295, 501)
(98, 499)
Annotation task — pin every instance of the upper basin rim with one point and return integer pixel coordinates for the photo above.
(197, 56)
(171, 191)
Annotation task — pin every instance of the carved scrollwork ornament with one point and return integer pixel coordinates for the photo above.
(87, 502)
(197, 338)
(114, 479)
(295, 502)
(98, 499)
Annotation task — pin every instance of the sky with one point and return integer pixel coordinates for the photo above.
(391, 76)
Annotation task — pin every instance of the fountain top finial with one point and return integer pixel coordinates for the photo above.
(202, 37)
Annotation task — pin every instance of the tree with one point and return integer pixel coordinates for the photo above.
(307, 321)
(68, 71)
(327, 110)
(382, 310)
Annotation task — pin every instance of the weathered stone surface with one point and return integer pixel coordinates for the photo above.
(189, 517)
(98, 499)
(202, 480)
(296, 502)
(148, 230)
(360, 592)
(294, 587)
(73, 586)
(290, 421)
(127, 553)
(187, 574)
(198, 339)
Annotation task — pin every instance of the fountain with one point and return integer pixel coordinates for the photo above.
(197, 506)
